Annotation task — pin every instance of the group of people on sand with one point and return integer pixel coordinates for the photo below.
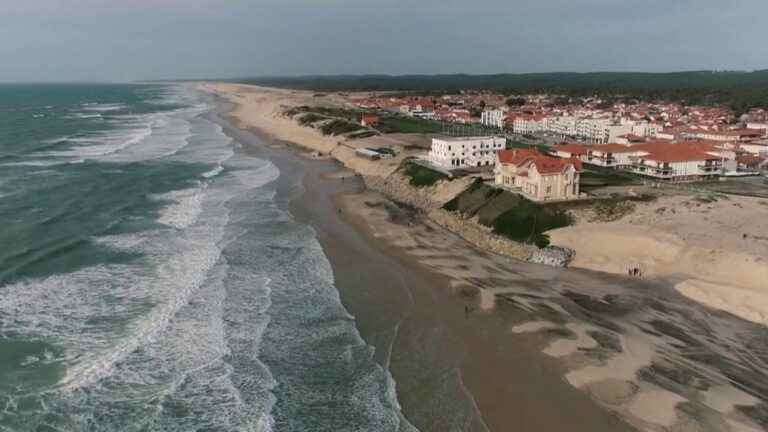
(635, 271)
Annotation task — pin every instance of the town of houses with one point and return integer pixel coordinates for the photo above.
(662, 141)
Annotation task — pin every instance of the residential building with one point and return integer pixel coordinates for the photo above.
(610, 155)
(493, 117)
(571, 150)
(460, 152)
(528, 124)
(759, 148)
(763, 126)
(537, 176)
(369, 120)
(736, 135)
(682, 161)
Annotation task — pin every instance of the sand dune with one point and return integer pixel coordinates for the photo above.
(718, 249)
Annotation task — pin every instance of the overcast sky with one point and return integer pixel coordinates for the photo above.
(123, 40)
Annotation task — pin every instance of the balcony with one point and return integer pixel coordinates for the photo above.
(710, 168)
(652, 171)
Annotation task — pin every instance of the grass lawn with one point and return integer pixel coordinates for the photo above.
(595, 178)
(421, 176)
(402, 124)
(512, 144)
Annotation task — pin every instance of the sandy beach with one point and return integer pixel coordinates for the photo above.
(526, 345)
(453, 371)
(716, 246)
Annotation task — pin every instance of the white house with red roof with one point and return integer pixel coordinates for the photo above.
(571, 150)
(537, 176)
(681, 161)
(733, 135)
(610, 155)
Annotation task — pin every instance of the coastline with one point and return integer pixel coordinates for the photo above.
(691, 239)
(436, 354)
(523, 311)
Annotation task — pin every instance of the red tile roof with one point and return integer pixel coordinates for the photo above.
(614, 148)
(552, 165)
(516, 156)
(684, 151)
(544, 164)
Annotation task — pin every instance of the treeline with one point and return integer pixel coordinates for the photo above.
(739, 90)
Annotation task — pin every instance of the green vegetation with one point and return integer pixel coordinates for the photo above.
(596, 178)
(710, 198)
(515, 101)
(509, 214)
(326, 112)
(339, 127)
(309, 118)
(338, 120)
(739, 90)
(403, 124)
(513, 144)
(421, 176)
(612, 210)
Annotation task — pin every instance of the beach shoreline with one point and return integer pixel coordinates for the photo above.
(491, 380)
(599, 342)
(681, 236)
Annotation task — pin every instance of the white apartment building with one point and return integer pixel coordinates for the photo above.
(758, 148)
(759, 126)
(683, 168)
(644, 128)
(465, 152)
(593, 130)
(529, 124)
(563, 126)
(494, 117)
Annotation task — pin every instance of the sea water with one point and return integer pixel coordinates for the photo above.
(149, 281)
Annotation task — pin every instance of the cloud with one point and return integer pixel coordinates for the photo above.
(145, 39)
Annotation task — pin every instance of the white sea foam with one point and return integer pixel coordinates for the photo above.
(186, 207)
(180, 276)
(84, 116)
(33, 163)
(214, 172)
(96, 146)
(107, 107)
(152, 331)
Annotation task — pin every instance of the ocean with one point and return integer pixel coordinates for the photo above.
(150, 282)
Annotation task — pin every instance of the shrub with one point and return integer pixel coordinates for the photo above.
(309, 118)
(528, 221)
(421, 176)
(339, 127)
(610, 210)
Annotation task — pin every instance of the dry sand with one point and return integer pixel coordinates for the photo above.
(717, 250)
(262, 109)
